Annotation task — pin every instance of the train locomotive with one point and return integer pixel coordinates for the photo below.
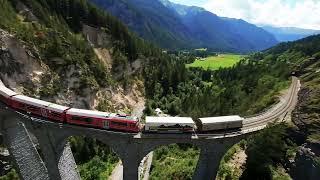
(169, 124)
(112, 121)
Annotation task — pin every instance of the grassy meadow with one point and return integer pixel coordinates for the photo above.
(216, 62)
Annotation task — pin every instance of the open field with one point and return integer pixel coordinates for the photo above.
(215, 62)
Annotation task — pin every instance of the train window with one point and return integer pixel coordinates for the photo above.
(88, 120)
(121, 115)
(33, 108)
(174, 126)
(55, 114)
(76, 118)
(21, 105)
(119, 123)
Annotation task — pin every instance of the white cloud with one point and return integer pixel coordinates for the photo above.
(285, 13)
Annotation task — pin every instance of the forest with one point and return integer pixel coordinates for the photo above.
(247, 88)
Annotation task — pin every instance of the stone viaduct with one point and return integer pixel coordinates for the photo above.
(55, 161)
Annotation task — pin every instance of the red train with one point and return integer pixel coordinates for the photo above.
(110, 121)
(69, 115)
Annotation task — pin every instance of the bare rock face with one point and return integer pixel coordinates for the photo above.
(305, 166)
(95, 36)
(299, 119)
(306, 114)
(26, 12)
(22, 69)
(18, 64)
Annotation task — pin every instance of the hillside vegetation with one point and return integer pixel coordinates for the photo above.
(177, 161)
(290, 151)
(247, 88)
(303, 56)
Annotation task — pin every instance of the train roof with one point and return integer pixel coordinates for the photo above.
(84, 112)
(220, 119)
(123, 116)
(57, 107)
(6, 92)
(31, 101)
(169, 120)
(99, 114)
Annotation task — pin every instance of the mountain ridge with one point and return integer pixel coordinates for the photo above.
(175, 26)
(283, 34)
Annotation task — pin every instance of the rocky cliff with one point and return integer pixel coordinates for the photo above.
(25, 68)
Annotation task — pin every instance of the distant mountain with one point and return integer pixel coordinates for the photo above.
(220, 32)
(151, 20)
(283, 34)
(176, 26)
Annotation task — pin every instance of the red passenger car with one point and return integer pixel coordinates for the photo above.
(6, 94)
(102, 120)
(124, 122)
(30, 105)
(40, 108)
(57, 112)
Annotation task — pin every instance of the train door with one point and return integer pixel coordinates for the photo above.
(106, 124)
(44, 113)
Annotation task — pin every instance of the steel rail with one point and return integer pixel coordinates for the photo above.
(260, 120)
(273, 114)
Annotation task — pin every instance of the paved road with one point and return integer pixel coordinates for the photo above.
(147, 166)
(117, 173)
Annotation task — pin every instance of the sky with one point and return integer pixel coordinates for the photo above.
(280, 13)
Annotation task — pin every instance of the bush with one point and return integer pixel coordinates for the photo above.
(267, 148)
(12, 175)
(176, 161)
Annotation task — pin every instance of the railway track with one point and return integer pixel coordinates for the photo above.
(256, 122)
(273, 114)
(250, 124)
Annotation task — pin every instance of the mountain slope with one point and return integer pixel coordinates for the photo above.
(72, 54)
(302, 58)
(283, 34)
(149, 19)
(177, 26)
(234, 34)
